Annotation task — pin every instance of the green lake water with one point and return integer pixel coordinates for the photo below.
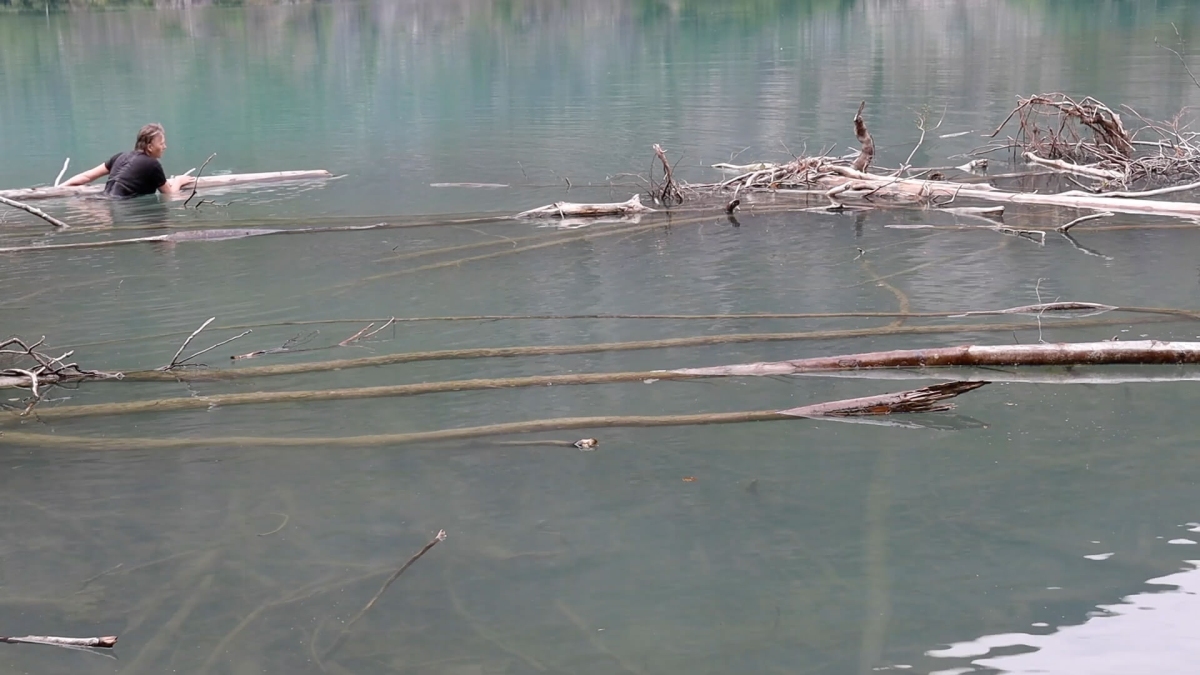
(1039, 527)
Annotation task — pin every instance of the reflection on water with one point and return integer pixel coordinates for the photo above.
(1149, 632)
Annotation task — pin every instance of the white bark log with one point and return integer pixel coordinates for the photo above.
(1080, 169)
(205, 182)
(568, 209)
(1143, 352)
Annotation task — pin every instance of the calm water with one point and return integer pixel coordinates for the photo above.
(1040, 528)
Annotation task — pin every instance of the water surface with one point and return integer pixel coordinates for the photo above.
(810, 547)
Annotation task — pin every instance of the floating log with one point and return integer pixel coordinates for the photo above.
(568, 209)
(26, 194)
(1142, 352)
(107, 642)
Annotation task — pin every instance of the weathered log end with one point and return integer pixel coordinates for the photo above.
(864, 137)
(925, 399)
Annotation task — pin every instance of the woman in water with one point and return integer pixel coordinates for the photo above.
(136, 173)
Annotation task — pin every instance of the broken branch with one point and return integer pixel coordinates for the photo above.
(1083, 219)
(177, 362)
(35, 211)
(668, 193)
(196, 181)
(864, 137)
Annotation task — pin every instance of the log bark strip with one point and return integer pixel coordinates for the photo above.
(1141, 352)
(210, 181)
(925, 399)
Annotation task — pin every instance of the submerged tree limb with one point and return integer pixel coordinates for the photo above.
(8, 380)
(211, 181)
(553, 350)
(209, 235)
(440, 536)
(846, 407)
(35, 211)
(182, 403)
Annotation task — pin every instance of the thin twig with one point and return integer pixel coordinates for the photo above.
(390, 322)
(281, 526)
(186, 342)
(196, 181)
(357, 335)
(440, 536)
(209, 349)
(1178, 54)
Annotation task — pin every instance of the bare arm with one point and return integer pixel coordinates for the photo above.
(176, 184)
(86, 177)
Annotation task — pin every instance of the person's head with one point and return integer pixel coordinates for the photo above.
(151, 140)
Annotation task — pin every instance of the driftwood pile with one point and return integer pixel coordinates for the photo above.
(1115, 167)
(1118, 160)
(1093, 140)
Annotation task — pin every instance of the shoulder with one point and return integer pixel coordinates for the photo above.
(143, 162)
(113, 160)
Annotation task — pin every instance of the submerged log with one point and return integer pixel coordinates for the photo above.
(35, 211)
(205, 182)
(1141, 352)
(568, 209)
(919, 400)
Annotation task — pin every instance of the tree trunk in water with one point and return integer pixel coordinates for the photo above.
(1142, 352)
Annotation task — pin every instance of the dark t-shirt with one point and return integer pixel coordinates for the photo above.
(133, 174)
